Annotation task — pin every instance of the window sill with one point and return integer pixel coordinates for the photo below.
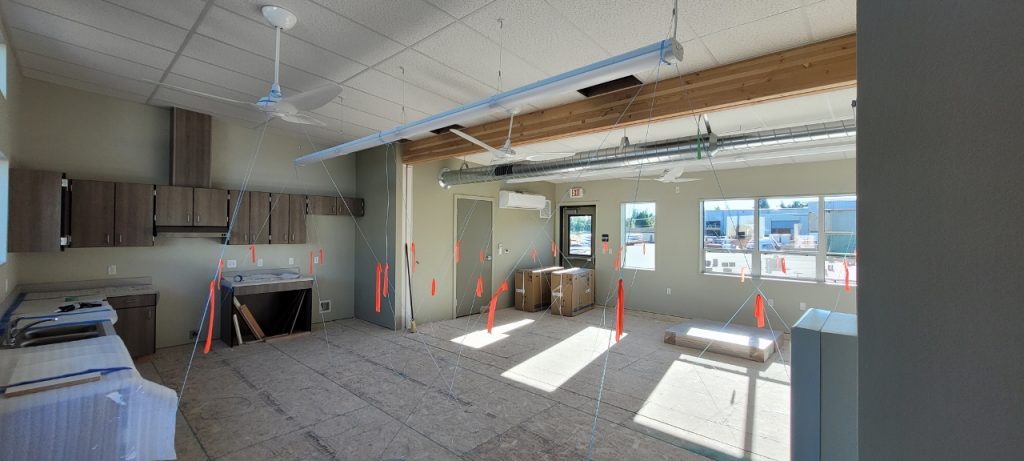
(775, 279)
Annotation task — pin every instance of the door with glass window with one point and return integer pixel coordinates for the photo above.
(578, 236)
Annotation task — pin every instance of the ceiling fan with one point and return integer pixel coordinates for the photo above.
(274, 104)
(505, 152)
(669, 175)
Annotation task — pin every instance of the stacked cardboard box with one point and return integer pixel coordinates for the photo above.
(572, 291)
(533, 288)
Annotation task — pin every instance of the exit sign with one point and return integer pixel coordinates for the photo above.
(575, 192)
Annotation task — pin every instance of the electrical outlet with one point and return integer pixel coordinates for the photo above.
(259, 262)
(668, 291)
(291, 261)
(232, 264)
(112, 269)
(325, 306)
(803, 306)
(677, 189)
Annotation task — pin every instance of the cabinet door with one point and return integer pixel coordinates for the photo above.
(210, 207)
(137, 328)
(34, 219)
(279, 215)
(321, 205)
(238, 204)
(259, 217)
(92, 214)
(297, 219)
(351, 206)
(173, 206)
(133, 215)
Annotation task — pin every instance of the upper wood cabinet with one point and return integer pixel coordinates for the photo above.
(92, 214)
(321, 205)
(279, 216)
(34, 219)
(350, 206)
(173, 206)
(209, 207)
(238, 204)
(133, 214)
(259, 217)
(297, 219)
(190, 148)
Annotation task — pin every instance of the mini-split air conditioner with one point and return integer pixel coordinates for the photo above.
(519, 201)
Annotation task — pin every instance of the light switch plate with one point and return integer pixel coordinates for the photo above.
(259, 262)
(291, 261)
(232, 264)
(316, 260)
(112, 269)
(325, 306)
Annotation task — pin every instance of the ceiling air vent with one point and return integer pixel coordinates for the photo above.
(445, 129)
(628, 81)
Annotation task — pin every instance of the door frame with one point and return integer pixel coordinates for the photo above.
(455, 237)
(558, 225)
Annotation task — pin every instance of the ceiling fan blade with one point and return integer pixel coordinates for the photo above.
(542, 156)
(204, 95)
(480, 143)
(313, 99)
(682, 180)
(298, 118)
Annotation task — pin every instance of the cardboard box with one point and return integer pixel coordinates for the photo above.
(533, 288)
(572, 291)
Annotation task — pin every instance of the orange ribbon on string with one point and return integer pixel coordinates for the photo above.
(481, 256)
(458, 246)
(310, 262)
(782, 263)
(618, 259)
(494, 303)
(321, 256)
(533, 254)
(220, 267)
(743, 274)
(846, 276)
(759, 310)
(412, 262)
(387, 278)
(252, 253)
(554, 250)
(213, 309)
(604, 247)
(380, 271)
(620, 312)
(479, 286)
(433, 287)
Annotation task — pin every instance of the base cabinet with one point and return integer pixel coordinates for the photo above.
(136, 323)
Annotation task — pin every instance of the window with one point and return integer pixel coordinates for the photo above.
(725, 243)
(580, 234)
(638, 222)
(800, 238)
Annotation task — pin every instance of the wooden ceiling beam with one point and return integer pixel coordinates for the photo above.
(818, 67)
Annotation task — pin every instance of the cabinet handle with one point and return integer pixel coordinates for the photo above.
(188, 218)
(245, 238)
(293, 237)
(120, 238)
(197, 218)
(107, 237)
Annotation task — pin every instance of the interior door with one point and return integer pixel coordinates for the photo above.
(578, 236)
(133, 214)
(473, 229)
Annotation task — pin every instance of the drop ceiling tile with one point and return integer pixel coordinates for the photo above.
(794, 111)
(181, 13)
(619, 26)
(356, 117)
(537, 34)
(706, 17)
(696, 57)
(62, 29)
(738, 120)
(832, 18)
(405, 21)
(84, 86)
(776, 33)
(322, 27)
(378, 83)
(366, 102)
(220, 77)
(172, 97)
(62, 51)
(112, 18)
(83, 74)
(258, 38)
(472, 54)
(243, 62)
(459, 8)
(234, 92)
(840, 101)
(434, 77)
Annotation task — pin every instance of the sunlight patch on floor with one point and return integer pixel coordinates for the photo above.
(554, 366)
(481, 338)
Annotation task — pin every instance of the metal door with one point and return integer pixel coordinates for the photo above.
(473, 228)
(578, 236)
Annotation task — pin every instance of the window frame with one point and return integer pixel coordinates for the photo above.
(623, 232)
(821, 252)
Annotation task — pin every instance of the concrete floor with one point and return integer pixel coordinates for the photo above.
(528, 391)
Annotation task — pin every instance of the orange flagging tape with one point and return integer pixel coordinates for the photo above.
(458, 245)
(481, 256)
(412, 261)
(494, 304)
(554, 250)
(533, 254)
(387, 278)
(213, 308)
(743, 274)
(479, 286)
(618, 259)
(433, 287)
(310, 262)
(782, 262)
(380, 271)
(846, 276)
(252, 253)
(220, 267)
(604, 247)
(759, 310)
(321, 256)
(620, 312)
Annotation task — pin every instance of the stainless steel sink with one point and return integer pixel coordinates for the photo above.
(63, 333)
